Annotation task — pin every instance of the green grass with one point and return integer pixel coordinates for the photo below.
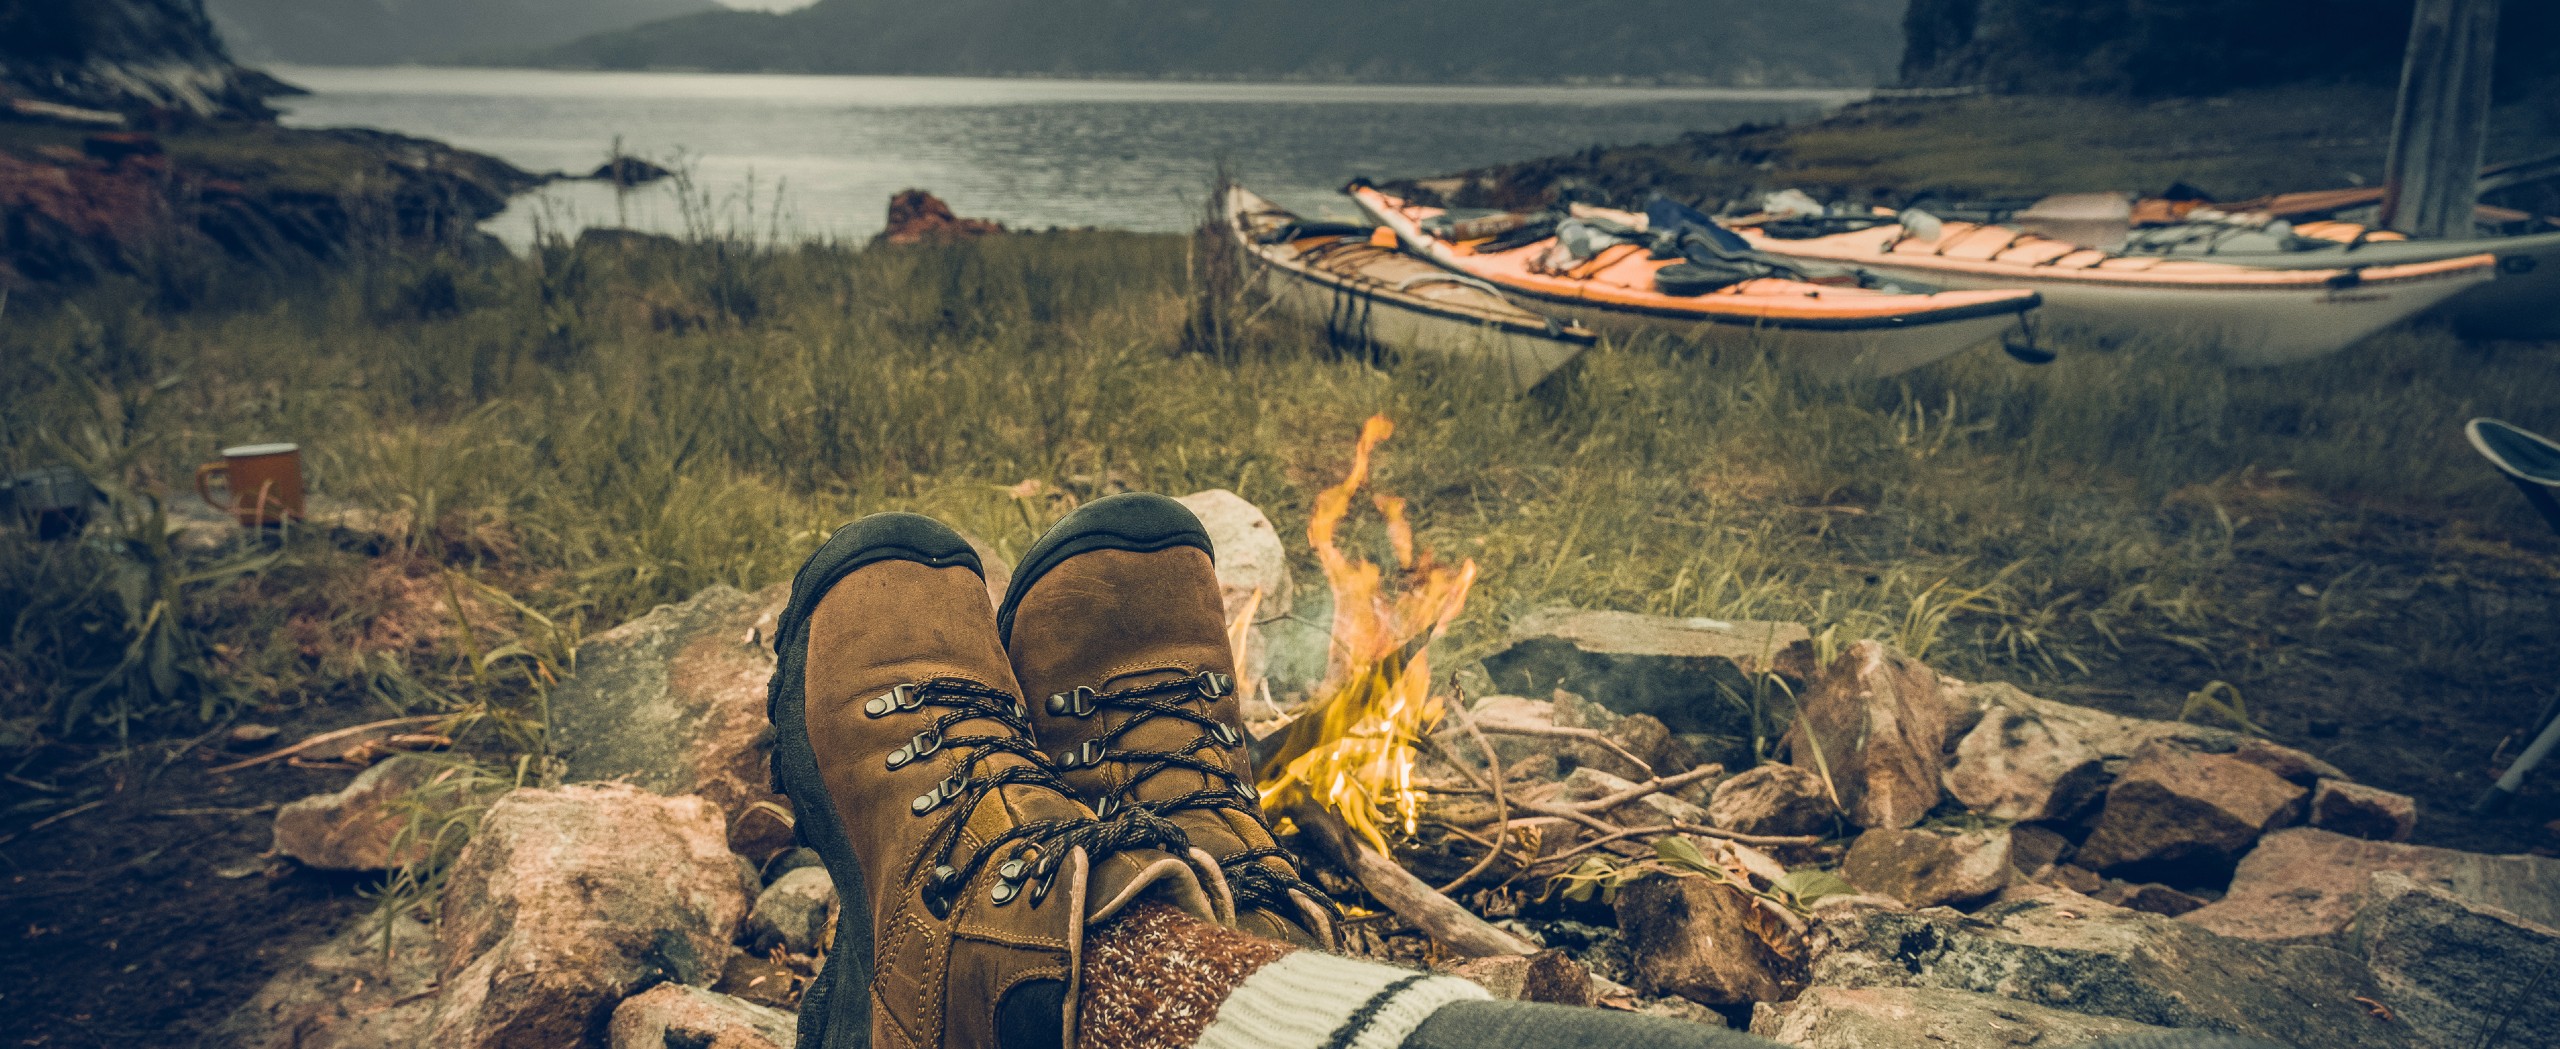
(599, 431)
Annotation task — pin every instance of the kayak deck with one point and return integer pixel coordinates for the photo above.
(1621, 277)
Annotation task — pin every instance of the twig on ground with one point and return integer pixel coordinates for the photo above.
(63, 815)
(1501, 808)
(327, 737)
(1586, 735)
(1409, 897)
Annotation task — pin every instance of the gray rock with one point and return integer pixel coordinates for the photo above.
(1547, 976)
(1772, 799)
(1696, 675)
(2305, 884)
(1872, 723)
(567, 900)
(2459, 973)
(671, 1016)
(792, 912)
(2185, 817)
(2359, 811)
(2065, 951)
(673, 702)
(1698, 939)
(1251, 555)
(344, 994)
(1905, 1018)
(1929, 868)
(357, 828)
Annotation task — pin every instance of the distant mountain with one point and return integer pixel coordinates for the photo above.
(375, 32)
(1741, 42)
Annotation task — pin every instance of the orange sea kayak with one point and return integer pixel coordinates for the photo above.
(1847, 330)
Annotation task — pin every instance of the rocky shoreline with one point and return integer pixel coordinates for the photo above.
(1933, 863)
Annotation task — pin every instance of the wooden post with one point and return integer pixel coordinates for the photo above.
(2441, 128)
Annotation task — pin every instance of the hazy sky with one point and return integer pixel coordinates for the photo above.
(768, 5)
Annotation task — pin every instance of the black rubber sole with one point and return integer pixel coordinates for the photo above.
(1138, 522)
(836, 1011)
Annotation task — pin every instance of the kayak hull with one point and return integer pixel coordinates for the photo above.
(1520, 361)
(2255, 316)
(1368, 299)
(2252, 327)
(1865, 353)
(2523, 303)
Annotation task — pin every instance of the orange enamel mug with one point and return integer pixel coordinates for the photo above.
(263, 483)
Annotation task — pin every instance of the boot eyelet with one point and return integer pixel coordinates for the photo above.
(1250, 792)
(944, 879)
(1076, 703)
(1104, 810)
(1226, 734)
(938, 905)
(1003, 893)
(899, 758)
(1012, 870)
(902, 697)
(1214, 685)
(926, 802)
(928, 741)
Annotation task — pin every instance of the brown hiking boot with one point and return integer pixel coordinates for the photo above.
(1117, 635)
(967, 872)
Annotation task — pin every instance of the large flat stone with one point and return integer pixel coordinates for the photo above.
(2035, 759)
(2065, 951)
(1696, 675)
(2305, 884)
(674, 703)
(2460, 974)
(2185, 818)
(1906, 1018)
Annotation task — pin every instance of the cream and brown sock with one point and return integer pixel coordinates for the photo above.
(1155, 978)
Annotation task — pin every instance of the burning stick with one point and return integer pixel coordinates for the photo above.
(1409, 897)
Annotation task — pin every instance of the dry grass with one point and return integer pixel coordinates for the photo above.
(598, 431)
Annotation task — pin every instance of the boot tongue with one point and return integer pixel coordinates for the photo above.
(1124, 878)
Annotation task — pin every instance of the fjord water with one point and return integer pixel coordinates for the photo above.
(818, 156)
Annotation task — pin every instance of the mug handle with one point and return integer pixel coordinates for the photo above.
(204, 475)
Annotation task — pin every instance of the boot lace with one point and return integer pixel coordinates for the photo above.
(1030, 852)
(1255, 884)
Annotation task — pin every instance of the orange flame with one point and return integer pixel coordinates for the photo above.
(1353, 750)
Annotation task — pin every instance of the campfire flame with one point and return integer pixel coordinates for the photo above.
(1352, 751)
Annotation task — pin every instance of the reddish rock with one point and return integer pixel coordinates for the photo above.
(1873, 722)
(2305, 883)
(1772, 799)
(2035, 759)
(567, 900)
(1926, 868)
(670, 1016)
(2148, 897)
(1700, 940)
(918, 217)
(1547, 976)
(2186, 816)
(356, 829)
(2360, 811)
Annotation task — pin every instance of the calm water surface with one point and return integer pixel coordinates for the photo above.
(811, 156)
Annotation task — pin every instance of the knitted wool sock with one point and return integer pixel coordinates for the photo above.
(1155, 978)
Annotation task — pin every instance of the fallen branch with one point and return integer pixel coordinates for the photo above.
(327, 737)
(1648, 788)
(1409, 897)
(1586, 735)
